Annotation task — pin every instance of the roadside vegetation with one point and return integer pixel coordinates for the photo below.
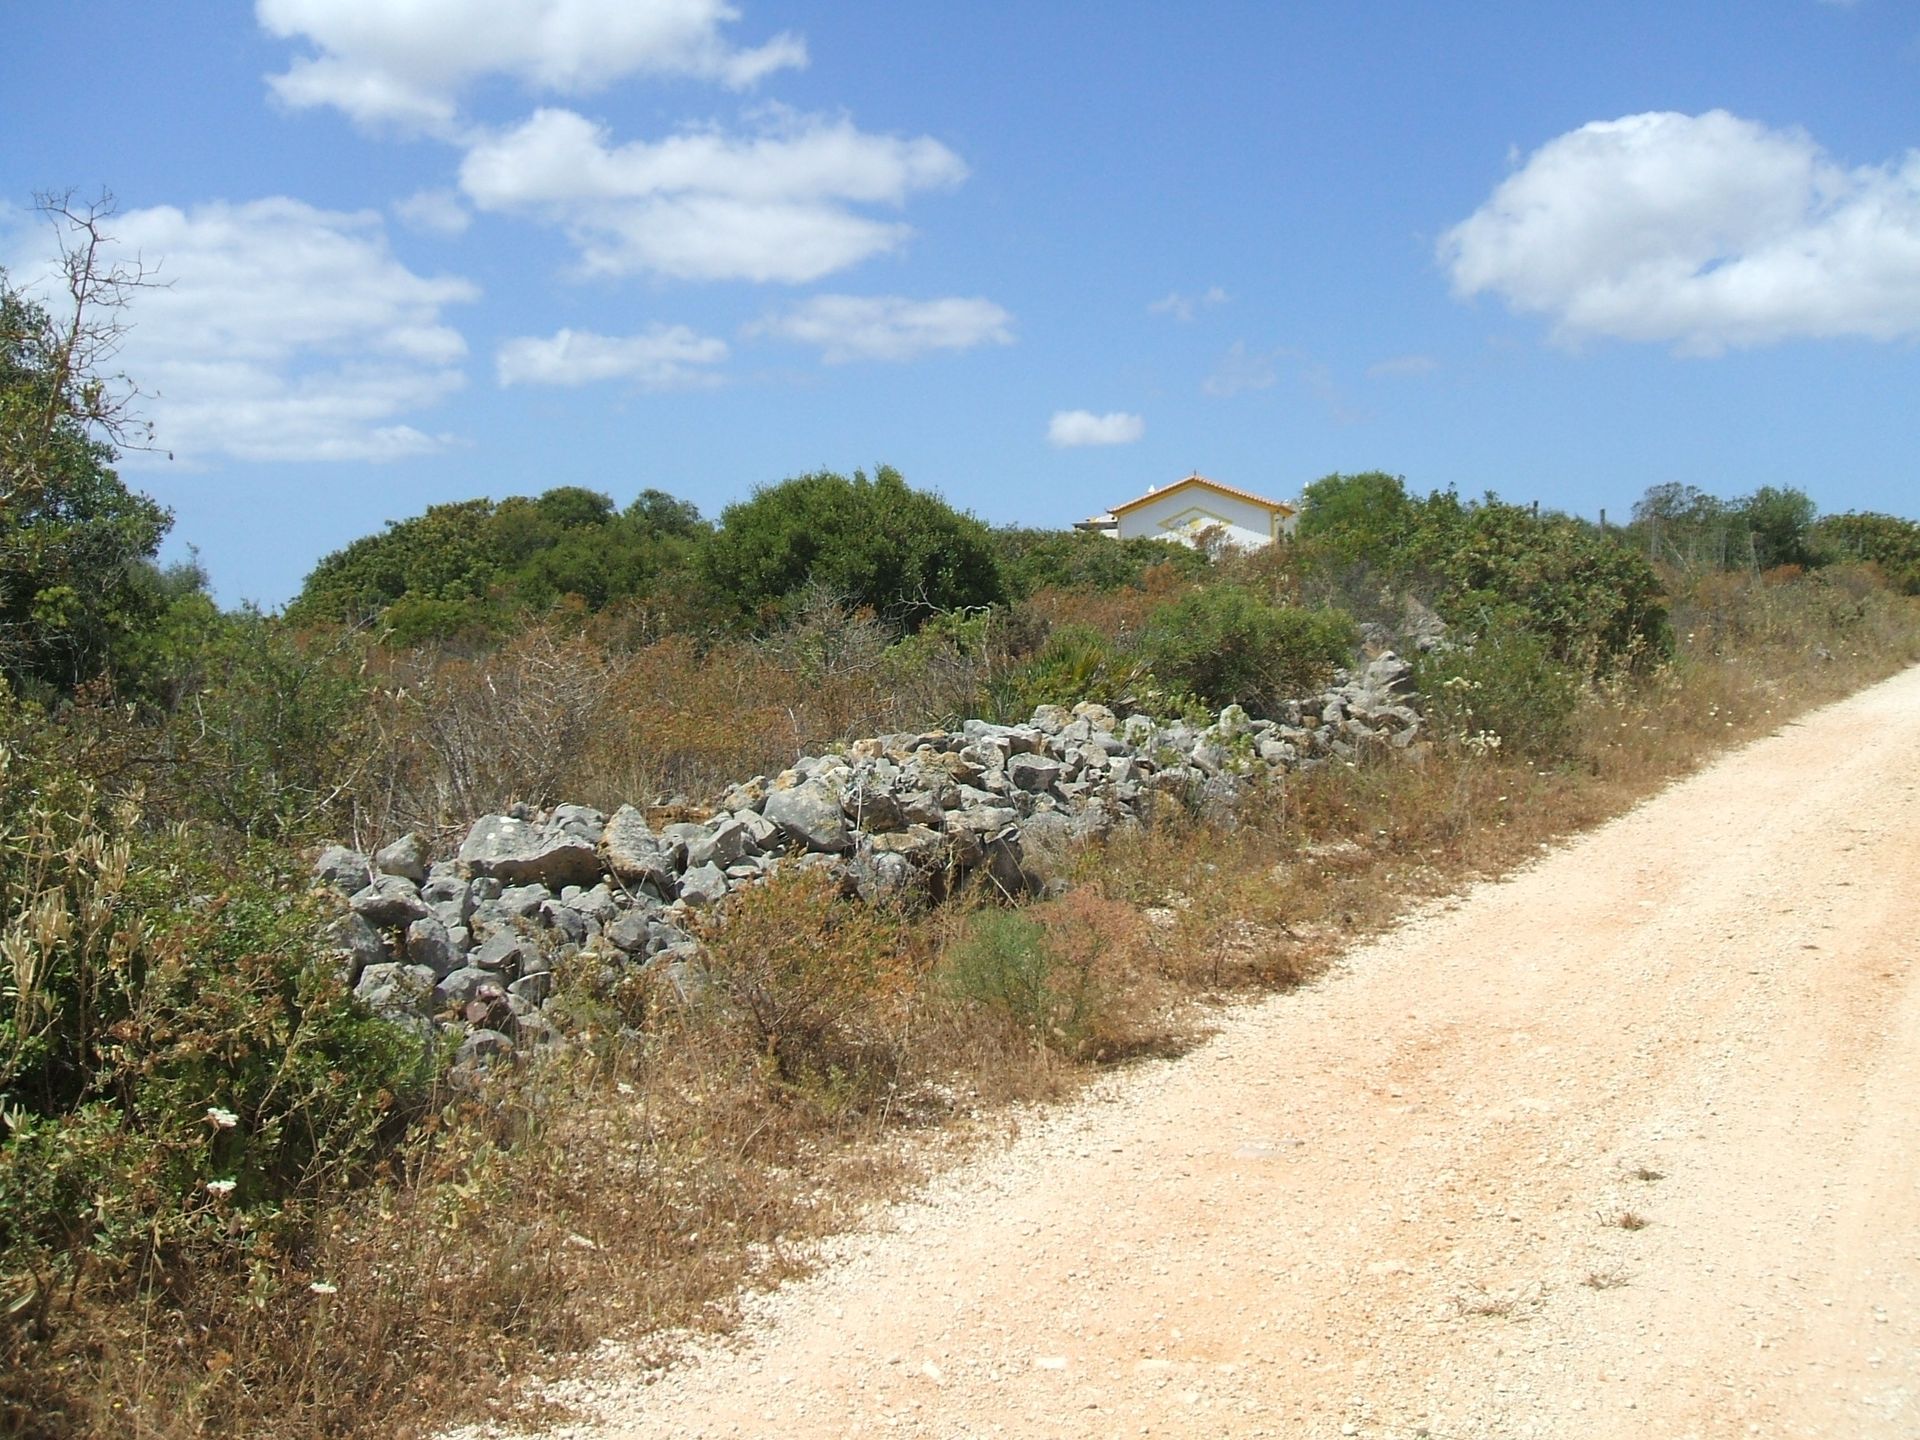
(231, 1202)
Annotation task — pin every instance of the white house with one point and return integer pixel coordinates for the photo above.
(1190, 508)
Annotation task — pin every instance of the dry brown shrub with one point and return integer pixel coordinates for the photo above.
(819, 985)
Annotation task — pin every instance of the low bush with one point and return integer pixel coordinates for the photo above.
(1063, 972)
(183, 1077)
(1227, 645)
(1076, 663)
(1505, 692)
(814, 982)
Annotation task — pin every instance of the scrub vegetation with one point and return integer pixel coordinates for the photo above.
(232, 1202)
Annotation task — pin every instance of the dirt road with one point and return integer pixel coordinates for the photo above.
(1392, 1204)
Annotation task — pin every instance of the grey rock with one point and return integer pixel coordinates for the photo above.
(873, 809)
(513, 851)
(880, 878)
(1279, 753)
(342, 869)
(759, 833)
(1098, 716)
(596, 904)
(809, 814)
(390, 902)
(983, 819)
(1048, 842)
(504, 953)
(406, 856)
(703, 885)
(523, 901)
(430, 944)
(482, 1049)
(358, 945)
(467, 984)
(582, 822)
(725, 841)
(393, 990)
(636, 855)
(629, 933)
(1051, 719)
(1033, 773)
(534, 988)
(916, 842)
(565, 921)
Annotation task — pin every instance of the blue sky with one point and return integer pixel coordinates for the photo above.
(1039, 257)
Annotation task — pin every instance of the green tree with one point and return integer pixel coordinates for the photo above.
(1364, 518)
(1884, 540)
(476, 566)
(878, 543)
(1032, 559)
(1780, 523)
(75, 543)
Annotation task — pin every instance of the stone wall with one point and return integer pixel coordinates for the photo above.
(470, 939)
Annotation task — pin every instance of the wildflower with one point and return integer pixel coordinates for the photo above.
(321, 1287)
(222, 1188)
(221, 1119)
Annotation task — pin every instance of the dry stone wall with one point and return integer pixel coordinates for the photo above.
(469, 940)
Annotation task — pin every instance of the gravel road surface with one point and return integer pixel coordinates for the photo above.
(1627, 1144)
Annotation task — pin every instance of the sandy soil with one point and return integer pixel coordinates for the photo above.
(1391, 1204)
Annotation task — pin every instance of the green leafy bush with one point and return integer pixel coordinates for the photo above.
(1034, 559)
(1885, 540)
(1076, 663)
(1507, 692)
(902, 553)
(477, 565)
(1006, 963)
(1228, 645)
(178, 1062)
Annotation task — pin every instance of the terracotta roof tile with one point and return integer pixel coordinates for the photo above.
(1199, 479)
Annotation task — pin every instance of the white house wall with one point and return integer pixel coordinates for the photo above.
(1181, 513)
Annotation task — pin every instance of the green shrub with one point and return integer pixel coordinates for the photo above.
(1505, 693)
(1034, 559)
(902, 553)
(1076, 663)
(171, 1024)
(1227, 645)
(1007, 963)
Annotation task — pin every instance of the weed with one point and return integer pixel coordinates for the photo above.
(1481, 1304)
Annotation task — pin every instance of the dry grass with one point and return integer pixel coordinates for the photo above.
(679, 1155)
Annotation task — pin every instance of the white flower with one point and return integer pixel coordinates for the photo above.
(221, 1187)
(321, 1287)
(221, 1119)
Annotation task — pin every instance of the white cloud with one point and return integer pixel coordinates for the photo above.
(404, 65)
(283, 332)
(889, 327)
(1241, 370)
(664, 357)
(436, 212)
(1184, 307)
(1706, 231)
(1402, 367)
(770, 205)
(1068, 428)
